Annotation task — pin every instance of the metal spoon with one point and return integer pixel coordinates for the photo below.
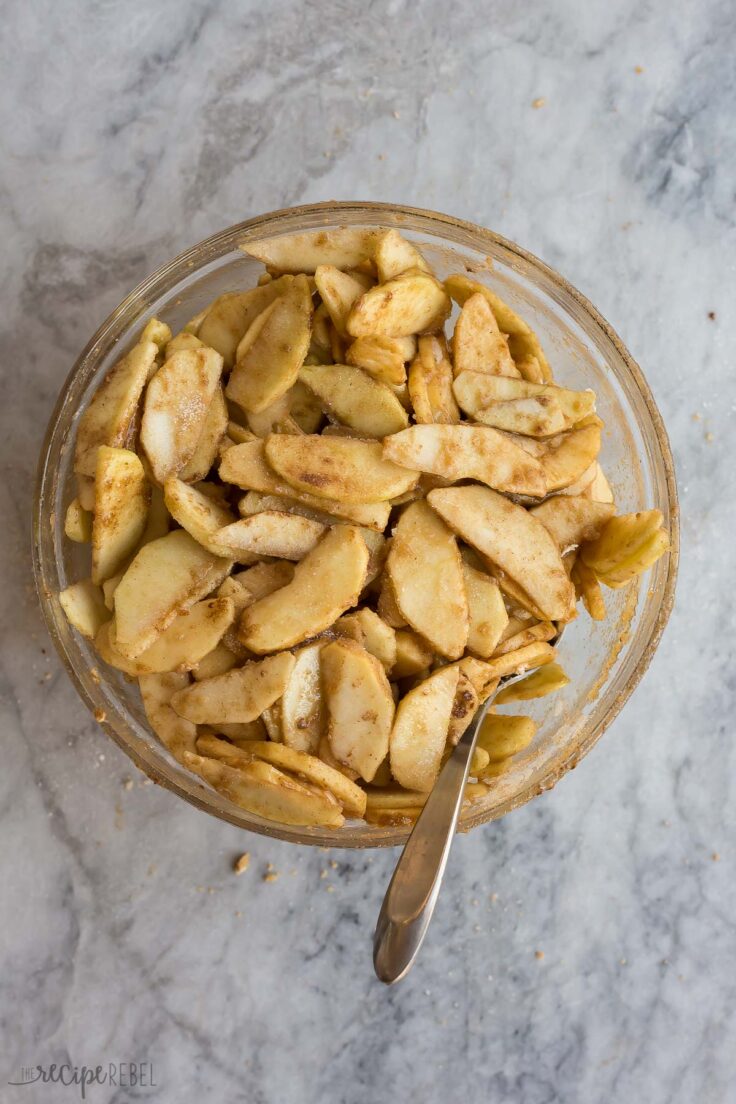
(415, 886)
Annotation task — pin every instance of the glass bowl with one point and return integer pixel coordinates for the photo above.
(604, 660)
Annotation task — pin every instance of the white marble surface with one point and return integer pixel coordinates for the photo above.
(131, 131)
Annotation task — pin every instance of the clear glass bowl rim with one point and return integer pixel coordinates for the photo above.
(163, 280)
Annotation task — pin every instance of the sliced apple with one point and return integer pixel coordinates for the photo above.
(237, 696)
(246, 466)
(419, 732)
(411, 303)
(216, 662)
(78, 522)
(503, 736)
(306, 767)
(343, 247)
(487, 612)
(273, 350)
(413, 655)
(545, 680)
(121, 506)
(477, 342)
(208, 445)
(394, 255)
(189, 638)
(338, 468)
(426, 574)
(514, 541)
(269, 793)
(326, 583)
(203, 517)
(567, 457)
(464, 709)
(572, 519)
(373, 633)
(340, 291)
(588, 589)
(354, 398)
(270, 533)
(359, 704)
(113, 407)
(430, 383)
(467, 452)
(229, 318)
(176, 734)
(84, 606)
(538, 410)
(302, 706)
(175, 411)
(461, 288)
(382, 357)
(166, 576)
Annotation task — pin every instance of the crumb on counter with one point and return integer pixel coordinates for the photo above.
(539, 102)
(539, 955)
(242, 863)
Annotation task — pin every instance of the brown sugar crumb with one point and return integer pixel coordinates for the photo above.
(712, 315)
(715, 856)
(539, 955)
(100, 715)
(539, 102)
(271, 875)
(242, 863)
(638, 69)
(697, 417)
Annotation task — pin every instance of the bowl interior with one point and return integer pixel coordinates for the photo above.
(604, 660)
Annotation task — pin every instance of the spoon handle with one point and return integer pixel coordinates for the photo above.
(412, 894)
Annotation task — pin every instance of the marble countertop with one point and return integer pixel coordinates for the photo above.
(584, 949)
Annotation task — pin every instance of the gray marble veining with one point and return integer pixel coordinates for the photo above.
(131, 131)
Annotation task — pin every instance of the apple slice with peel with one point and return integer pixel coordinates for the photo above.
(326, 583)
(303, 718)
(425, 571)
(512, 540)
(262, 789)
(487, 612)
(191, 636)
(355, 399)
(113, 407)
(306, 767)
(166, 576)
(176, 734)
(340, 291)
(467, 452)
(84, 606)
(477, 343)
(122, 495)
(430, 383)
(477, 393)
(419, 732)
(208, 445)
(360, 706)
(237, 696)
(411, 303)
(203, 517)
(246, 466)
(269, 533)
(229, 318)
(572, 519)
(338, 468)
(273, 350)
(567, 457)
(394, 255)
(343, 247)
(382, 357)
(175, 410)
